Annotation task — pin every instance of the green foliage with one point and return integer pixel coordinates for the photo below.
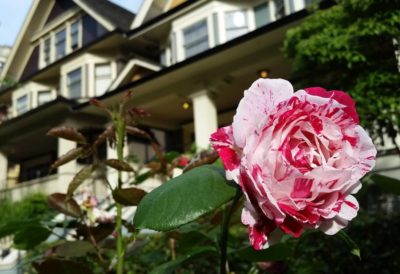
(350, 47)
(34, 206)
(184, 199)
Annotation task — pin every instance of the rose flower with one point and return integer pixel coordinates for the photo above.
(298, 157)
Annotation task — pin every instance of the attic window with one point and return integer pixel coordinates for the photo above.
(46, 51)
(74, 32)
(196, 38)
(60, 44)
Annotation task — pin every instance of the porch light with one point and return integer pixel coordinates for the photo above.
(263, 73)
(186, 105)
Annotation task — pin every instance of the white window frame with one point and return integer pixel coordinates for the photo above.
(49, 91)
(246, 26)
(67, 85)
(27, 107)
(52, 35)
(56, 43)
(102, 77)
(184, 45)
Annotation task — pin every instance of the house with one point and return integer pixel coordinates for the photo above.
(187, 63)
(4, 52)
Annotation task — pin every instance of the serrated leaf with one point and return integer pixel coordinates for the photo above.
(69, 156)
(128, 196)
(68, 134)
(74, 249)
(52, 265)
(184, 199)
(119, 165)
(79, 178)
(30, 236)
(64, 204)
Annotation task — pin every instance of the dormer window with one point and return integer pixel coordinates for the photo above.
(57, 44)
(195, 38)
(60, 44)
(47, 51)
(74, 32)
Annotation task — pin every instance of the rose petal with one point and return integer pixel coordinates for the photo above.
(259, 100)
(333, 226)
(349, 208)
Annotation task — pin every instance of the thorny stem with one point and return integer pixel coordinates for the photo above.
(224, 233)
(120, 126)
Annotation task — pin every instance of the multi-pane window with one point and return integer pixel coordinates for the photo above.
(60, 44)
(47, 51)
(262, 14)
(235, 24)
(195, 38)
(22, 104)
(74, 84)
(102, 78)
(279, 8)
(74, 32)
(43, 97)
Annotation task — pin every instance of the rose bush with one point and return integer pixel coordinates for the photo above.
(298, 157)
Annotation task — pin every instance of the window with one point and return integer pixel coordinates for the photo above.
(195, 38)
(235, 24)
(102, 78)
(279, 9)
(43, 97)
(262, 15)
(22, 104)
(74, 32)
(46, 51)
(74, 84)
(60, 44)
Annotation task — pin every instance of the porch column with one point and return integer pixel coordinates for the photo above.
(3, 171)
(205, 118)
(67, 171)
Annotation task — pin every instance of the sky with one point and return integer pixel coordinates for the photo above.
(13, 13)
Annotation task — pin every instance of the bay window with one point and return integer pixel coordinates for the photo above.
(195, 38)
(22, 104)
(102, 78)
(74, 84)
(235, 24)
(43, 97)
(74, 34)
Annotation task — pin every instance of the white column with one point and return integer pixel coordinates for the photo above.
(3, 171)
(67, 171)
(205, 118)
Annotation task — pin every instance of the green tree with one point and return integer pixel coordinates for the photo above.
(352, 46)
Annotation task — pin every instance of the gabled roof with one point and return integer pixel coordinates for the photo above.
(116, 15)
(109, 15)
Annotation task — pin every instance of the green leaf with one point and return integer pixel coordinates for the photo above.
(171, 155)
(74, 249)
(128, 196)
(388, 184)
(354, 249)
(142, 177)
(30, 236)
(278, 252)
(170, 266)
(184, 199)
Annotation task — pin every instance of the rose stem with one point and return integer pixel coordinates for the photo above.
(224, 232)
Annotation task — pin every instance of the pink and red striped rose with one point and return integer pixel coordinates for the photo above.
(298, 158)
